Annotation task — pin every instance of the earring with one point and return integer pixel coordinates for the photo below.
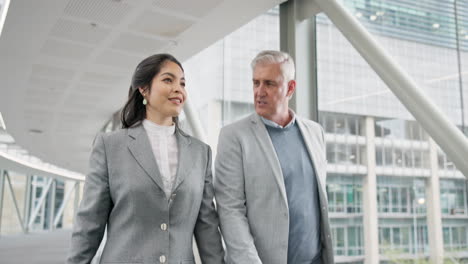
(144, 101)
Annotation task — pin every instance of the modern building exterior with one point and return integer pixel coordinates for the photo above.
(369, 133)
(393, 194)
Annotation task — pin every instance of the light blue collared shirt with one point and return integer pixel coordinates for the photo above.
(273, 124)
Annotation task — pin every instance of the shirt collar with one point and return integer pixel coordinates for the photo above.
(154, 128)
(273, 124)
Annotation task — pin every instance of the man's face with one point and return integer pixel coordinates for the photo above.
(271, 93)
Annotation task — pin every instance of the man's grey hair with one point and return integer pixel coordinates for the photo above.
(272, 57)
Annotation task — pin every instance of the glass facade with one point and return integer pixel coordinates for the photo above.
(429, 40)
(352, 102)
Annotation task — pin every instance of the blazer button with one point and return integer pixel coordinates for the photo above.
(172, 196)
(163, 226)
(162, 259)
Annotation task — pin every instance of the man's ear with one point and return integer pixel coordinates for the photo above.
(291, 88)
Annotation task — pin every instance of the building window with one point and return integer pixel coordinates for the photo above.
(455, 238)
(348, 240)
(345, 154)
(341, 124)
(398, 196)
(344, 194)
(453, 197)
(394, 240)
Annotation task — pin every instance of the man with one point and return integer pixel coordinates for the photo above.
(270, 176)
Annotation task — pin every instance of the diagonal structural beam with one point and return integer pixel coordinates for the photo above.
(63, 204)
(447, 135)
(39, 204)
(15, 202)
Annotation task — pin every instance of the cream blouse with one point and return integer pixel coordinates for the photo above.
(164, 145)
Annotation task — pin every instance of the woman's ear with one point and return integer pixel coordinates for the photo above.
(142, 90)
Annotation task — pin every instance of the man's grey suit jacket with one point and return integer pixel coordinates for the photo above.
(251, 196)
(124, 190)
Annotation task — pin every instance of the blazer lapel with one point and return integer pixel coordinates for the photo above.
(140, 148)
(185, 161)
(267, 146)
(311, 144)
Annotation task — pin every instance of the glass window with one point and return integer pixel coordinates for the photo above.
(408, 157)
(388, 157)
(331, 157)
(379, 156)
(398, 154)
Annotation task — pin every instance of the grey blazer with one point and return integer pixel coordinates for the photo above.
(251, 196)
(125, 191)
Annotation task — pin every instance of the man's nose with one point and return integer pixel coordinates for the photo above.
(261, 89)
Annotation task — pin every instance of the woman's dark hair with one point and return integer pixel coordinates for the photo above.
(134, 111)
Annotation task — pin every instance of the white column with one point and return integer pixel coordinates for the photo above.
(434, 215)
(298, 38)
(369, 203)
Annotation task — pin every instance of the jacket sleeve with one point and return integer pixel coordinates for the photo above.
(91, 219)
(206, 230)
(231, 201)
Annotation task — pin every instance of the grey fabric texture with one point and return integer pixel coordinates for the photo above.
(301, 189)
(251, 195)
(124, 191)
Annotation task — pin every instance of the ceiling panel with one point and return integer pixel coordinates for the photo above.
(51, 72)
(200, 9)
(118, 59)
(66, 50)
(136, 44)
(109, 12)
(98, 78)
(80, 31)
(159, 24)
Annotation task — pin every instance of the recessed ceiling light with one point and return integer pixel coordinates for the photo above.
(359, 14)
(466, 36)
(435, 25)
(373, 17)
(380, 13)
(35, 131)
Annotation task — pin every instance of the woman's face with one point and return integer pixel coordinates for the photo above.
(166, 96)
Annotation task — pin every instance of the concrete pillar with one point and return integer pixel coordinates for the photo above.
(369, 191)
(434, 213)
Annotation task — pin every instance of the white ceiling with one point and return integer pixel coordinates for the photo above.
(65, 66)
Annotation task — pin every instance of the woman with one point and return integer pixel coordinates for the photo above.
(150, 182)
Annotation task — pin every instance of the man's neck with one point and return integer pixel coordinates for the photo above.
(281, 120)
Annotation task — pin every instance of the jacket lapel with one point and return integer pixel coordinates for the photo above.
(267, 146)
(140, 148)
(185, 161)
(311, 144)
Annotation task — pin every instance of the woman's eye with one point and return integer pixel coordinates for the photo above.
(182, 84)
(167, 80)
